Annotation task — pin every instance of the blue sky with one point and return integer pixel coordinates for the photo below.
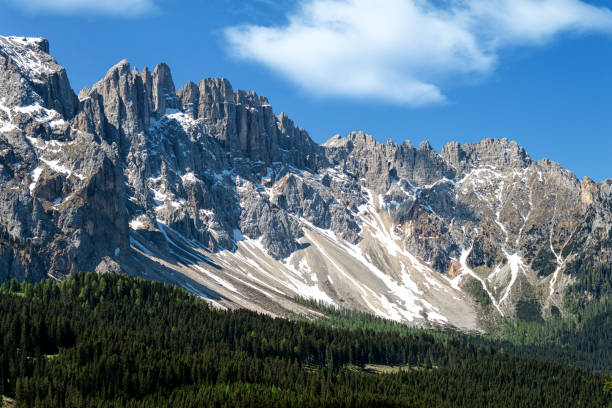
(535, 71)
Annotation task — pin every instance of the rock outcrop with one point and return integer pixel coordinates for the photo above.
(61, 189)
(29, 75)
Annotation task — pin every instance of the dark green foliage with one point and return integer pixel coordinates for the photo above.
(555, 312)
(584, 339)
(113, 341)
(593, 281)
(529, 311)
(354, 319)
(474, 288)
(484, 254)
(544, 262)
(590, 265)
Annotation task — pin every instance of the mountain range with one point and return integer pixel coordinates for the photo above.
(205, 187)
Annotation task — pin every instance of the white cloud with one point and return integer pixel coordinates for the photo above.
(114, 7)
(403, 50)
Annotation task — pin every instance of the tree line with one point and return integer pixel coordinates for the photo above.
(117, 341)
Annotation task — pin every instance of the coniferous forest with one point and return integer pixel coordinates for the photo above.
(116, 341)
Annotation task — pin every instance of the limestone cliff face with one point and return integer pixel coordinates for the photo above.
(245, 124)
(61, 189)
(29, 74)
(18, 259)
(207, 188)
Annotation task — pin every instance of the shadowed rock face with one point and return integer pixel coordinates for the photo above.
(207, 188)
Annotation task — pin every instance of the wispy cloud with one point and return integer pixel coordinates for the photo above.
(126, 8)
(404, 50)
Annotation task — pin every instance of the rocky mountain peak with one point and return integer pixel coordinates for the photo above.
(425, 146)
(589, 191)
(406, 144)
(362, 138)
(251, 98)
(31, 76)
(606, 188)
(21, 43)
(207, 188)
(499, 153)
(189, 96)
(243, 122)
(164, 94)
(131, 99)
(335, 140)
(126, 101)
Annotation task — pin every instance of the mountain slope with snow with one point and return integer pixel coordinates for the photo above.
(206, 188)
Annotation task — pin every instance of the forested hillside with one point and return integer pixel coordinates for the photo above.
(108, 340)
(583, 339)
